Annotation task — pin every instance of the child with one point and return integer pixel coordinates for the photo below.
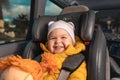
(61, 43)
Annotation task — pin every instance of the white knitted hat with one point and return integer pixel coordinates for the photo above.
(68, 26)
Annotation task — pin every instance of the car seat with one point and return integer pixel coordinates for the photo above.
(92, 36)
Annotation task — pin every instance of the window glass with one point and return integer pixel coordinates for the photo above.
(51, 8)
(109, 20)
(14, 19)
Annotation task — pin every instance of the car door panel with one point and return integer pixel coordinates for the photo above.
(12, 48)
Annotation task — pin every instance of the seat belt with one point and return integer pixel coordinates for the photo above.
(70, 64)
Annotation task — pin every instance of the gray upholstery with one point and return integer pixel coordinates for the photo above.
(69, 9)
(97, 57)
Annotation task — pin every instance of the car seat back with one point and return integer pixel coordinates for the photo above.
(92, 36)
(84, 22)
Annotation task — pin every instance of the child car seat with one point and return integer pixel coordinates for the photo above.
(92, 36)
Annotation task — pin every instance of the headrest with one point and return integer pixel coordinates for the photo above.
(69, 9)
(83, 21)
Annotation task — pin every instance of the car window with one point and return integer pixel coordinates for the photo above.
(109, 20)
(14, 20)
(51, 8)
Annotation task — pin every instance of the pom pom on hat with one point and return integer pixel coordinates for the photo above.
(68, 26)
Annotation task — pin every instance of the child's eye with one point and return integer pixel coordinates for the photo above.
(52, 38)
(64, 37)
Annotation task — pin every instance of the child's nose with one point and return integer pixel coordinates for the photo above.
(58, 40)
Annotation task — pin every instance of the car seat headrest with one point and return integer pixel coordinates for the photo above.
(84, 24)
(69, 9)
(39, 31)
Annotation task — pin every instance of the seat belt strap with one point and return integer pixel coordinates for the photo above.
(64, 74)
(70, 64)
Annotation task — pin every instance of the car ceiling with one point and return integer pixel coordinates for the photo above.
(92, 4)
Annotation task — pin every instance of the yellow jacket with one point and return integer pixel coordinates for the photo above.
(58, 59)
(50, 66)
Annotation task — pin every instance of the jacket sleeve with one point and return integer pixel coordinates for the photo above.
(80, 73)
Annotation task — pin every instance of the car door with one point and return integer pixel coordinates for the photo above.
(16, 21)
(14, 25)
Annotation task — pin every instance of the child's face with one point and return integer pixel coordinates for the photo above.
(59, 40)
(14, 73)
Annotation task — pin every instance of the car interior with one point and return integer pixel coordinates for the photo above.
(102, 53)
(84, 21)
